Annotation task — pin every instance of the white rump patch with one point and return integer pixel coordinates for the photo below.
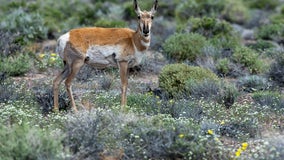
(61, 43)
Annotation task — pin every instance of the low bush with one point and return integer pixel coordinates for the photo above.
(26, 142)
(225, 43)
(15, 65)
(216, 91)
(235, 12)
(184, 46)
(274, 100)
(223, 66)
(44, 97)
(197, 8)
(264, 4)
(162, 137)
(10, 44)
(276, 72)
(249, 58)
(273, 32)
(30, 26)
(208, 27)
(110, 23)
(173, 77)
(262, 45)
(253, 83)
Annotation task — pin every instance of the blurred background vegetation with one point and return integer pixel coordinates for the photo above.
(213, 82)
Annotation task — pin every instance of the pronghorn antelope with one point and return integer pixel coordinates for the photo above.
(101, 48)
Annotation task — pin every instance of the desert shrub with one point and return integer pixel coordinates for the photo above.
(216, 91)
(276, 72)
(173, 77)
(30, 26)
(248, 58)
(8, 90)
(274, 100)
(44, 97)
(235, 12)
(273, 32)
(18, 112)
(241, 122)
(200, 8)
(224, 43)
(253, 83)
(15, 65)
(184, 46)
(262, 45)
(264, 4)
(109, 23)
(162, 137)
(223, 66)
(26, 142)
(228, 94)
(9, 45)
(209, 27)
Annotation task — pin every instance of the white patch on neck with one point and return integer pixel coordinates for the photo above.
(145, 44)
(139, 56)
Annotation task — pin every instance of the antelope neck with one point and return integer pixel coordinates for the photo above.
(142, 43)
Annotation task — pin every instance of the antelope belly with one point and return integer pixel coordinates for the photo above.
(103, 56)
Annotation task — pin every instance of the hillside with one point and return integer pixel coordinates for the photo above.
(211, 85)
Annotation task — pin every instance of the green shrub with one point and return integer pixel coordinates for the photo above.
(227, 42)
(187, 9)
(273, 32)
(235, 12)
(248, 58)
(161, 137)
(264, 4)
(184, 46)
(15, 65)
(109, 23)
(173, 77)
(30, 26)
(262, 45)
(223, 66)
(25, 142)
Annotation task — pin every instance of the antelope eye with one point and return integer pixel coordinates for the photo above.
(152, 17)
(139, 17)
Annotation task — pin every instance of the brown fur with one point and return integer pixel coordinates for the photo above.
(80, 40)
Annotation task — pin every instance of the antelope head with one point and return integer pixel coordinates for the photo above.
(145, 19)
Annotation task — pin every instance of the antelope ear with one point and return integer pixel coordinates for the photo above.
(136, 7)
(155, 6)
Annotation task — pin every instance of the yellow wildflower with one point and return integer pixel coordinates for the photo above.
(222, 122)
(217, 139)
(244, 146)
(171, 101)
(181, 135)
(238, 153)
(210, 131)
(41, 55)
(52, 59)
(53, 54)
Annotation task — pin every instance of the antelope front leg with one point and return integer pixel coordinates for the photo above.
(123, 71)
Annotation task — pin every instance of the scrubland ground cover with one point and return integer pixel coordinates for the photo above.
(211, 87)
